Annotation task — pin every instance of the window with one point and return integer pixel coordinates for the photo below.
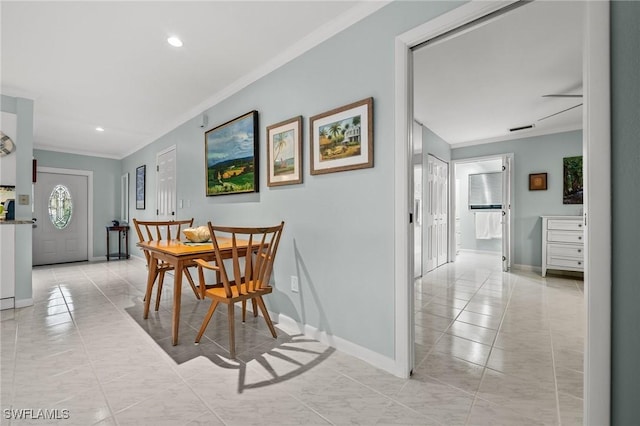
(485, 191)
(60, 206)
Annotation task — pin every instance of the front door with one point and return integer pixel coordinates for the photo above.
(60, 234)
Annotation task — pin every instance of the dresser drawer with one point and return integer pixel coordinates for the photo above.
(566, 251)
(566, 225)
(564, 237)
(561, 262)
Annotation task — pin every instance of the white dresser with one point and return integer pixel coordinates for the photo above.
(562, 243)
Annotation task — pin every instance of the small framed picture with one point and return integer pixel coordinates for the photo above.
(140, 186)
(538, 182)
(342, 139)
(284, 152)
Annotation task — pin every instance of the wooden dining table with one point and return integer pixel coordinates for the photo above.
(179, 254)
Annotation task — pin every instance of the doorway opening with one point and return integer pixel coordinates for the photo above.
(597, 204)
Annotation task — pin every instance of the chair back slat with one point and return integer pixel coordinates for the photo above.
(263, 243)
(152, 230)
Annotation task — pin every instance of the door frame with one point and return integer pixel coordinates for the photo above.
(452, 197)
(597, 144)
(89, 175)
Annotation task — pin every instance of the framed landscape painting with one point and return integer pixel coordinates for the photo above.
(284, 152)
(342, 139)
(572, 180)
(231, 156)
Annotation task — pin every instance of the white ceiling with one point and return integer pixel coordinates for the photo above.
(90, 64)
(474, 87)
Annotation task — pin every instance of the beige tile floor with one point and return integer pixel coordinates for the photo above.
(492, 348)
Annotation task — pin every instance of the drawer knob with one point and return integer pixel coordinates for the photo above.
(579, 251)
(579, 263)
(579, 225)
(579, 238)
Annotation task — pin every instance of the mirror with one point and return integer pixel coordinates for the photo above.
(124, 198)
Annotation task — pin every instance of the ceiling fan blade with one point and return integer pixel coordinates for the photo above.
(561, 96)
(560, 112)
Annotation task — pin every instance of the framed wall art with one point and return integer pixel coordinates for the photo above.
(284, 152)
(572, 180)
(231, 156)
(141, 176)
(538, 182)
(342, 139)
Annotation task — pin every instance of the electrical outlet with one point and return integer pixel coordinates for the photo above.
(294, 284)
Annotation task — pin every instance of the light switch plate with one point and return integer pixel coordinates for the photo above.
(23, 199)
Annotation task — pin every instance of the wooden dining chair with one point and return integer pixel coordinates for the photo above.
(165, 230)
(244, 276)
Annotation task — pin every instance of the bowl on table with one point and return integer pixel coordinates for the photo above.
(197, 235)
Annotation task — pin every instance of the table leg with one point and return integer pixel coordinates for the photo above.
(153, 266)
(177, 295)
(107, 245)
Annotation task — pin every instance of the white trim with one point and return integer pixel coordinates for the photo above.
(325, 32)
(23, 303)
(89, 175)
(75, 151)
(597, 205)
(7, 303)
(290, 326)
(596, 131)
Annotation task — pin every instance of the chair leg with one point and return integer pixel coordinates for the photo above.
(255, 307)
(159, 293)
(207, 318)
(244, 311)
(191, 283)
(232, 337)
(265, 313)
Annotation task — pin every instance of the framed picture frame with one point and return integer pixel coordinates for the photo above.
(141, 177)
(538, 182)
(342, 139)
(284, 152)
(572, 184)
(231, 156)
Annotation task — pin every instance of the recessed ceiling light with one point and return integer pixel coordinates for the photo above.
(174, 41)
(99, 129)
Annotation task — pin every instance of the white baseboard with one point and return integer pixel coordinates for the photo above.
(382, 362)
(23, 303)
(529, 268)
(7, 303)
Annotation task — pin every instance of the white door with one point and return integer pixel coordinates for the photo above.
(442, 212)
(61, 210)
(166, 200)
(506, 213)
(417, 222)
(437, 212)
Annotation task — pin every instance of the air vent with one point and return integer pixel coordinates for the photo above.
(516, 129)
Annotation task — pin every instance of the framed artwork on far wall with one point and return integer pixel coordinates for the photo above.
(538, 182)
(342, 139)
(284, 152)
(141, 173)
(231, 156)
(572, 180)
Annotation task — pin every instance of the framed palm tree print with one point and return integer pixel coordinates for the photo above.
(284, 152)
(342, 139)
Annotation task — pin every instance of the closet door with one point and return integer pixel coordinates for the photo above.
(437, 227)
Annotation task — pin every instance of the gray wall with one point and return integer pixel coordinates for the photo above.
(536, 154)
(23, 109)
(106, 189)
(338, 235)
(625, 112)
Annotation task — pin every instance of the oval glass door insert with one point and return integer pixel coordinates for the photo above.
(60, 206)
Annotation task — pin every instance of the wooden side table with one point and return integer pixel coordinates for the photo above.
(121, 230)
